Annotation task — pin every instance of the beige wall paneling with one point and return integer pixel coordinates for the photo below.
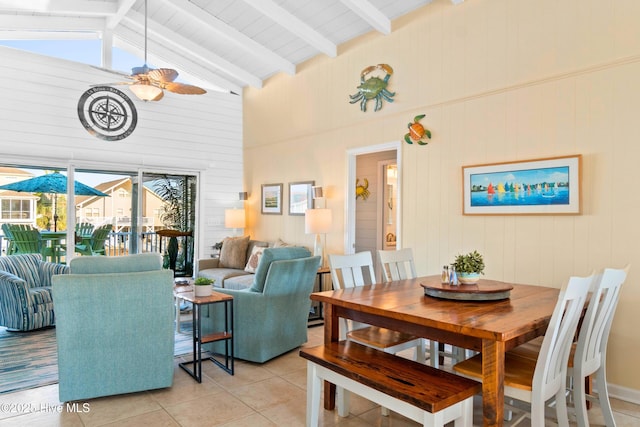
(499, 80)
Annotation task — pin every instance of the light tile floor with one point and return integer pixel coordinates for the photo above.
(272, 394)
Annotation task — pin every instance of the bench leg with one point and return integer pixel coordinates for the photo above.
(314, 397)
(343, 398)
(466, 420)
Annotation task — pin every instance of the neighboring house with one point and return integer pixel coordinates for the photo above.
(16, 207)
(116, 209)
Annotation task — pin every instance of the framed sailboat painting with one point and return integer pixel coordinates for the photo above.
(548, 186)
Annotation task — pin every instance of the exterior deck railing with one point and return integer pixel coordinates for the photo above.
(119, 243)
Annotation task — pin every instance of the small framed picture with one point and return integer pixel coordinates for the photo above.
(272, 199)
(528, 187)
(300, 197)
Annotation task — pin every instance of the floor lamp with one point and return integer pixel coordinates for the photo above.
(318, 221)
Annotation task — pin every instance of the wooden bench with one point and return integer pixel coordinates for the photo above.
(420, 392)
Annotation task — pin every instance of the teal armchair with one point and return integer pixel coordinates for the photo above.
(114, 326)
(270, 317)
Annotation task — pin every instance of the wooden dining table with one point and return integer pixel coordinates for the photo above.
(491, 327)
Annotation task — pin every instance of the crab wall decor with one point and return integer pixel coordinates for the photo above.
(362, 190)
(373, 87)
(417, 132)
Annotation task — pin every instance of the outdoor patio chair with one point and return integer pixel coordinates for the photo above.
(95, 244)
(26, 240)
(8, 235)
(84, 229)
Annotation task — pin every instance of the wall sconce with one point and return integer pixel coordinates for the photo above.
(318, 221)
(317, 192)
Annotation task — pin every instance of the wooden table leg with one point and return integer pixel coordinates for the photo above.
(492, 382)
(331, 334)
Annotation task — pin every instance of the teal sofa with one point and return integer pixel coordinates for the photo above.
(270, 317)
(25, 291)
(114, 326)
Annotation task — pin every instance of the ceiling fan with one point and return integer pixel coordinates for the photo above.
(148, 83)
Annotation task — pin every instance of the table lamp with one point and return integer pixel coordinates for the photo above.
(317, 221)
(234, 218)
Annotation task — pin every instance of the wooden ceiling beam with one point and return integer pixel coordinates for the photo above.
(294, 25)
(369, 13)
(226, 32)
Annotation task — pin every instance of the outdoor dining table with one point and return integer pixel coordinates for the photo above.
(53, 242)
(490, 326)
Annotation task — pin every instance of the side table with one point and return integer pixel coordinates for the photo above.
(316, 317)
(199, 338)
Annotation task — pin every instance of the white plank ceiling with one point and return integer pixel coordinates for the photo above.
(227, 44)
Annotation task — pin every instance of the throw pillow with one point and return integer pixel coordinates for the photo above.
(280, 244)
(254, 259)
(234, 252)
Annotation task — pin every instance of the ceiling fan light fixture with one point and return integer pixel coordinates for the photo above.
(146, 92)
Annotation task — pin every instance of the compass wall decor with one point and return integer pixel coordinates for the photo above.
(107, 113)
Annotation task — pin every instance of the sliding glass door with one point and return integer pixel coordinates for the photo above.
(177, 215)
(145, 211)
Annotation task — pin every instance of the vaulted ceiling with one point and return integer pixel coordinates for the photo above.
(228, 44)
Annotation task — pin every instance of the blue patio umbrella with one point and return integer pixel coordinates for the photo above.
(55, 183)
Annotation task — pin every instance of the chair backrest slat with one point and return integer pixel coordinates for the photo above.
(26, 240)
(84, 228)
(347, 270)
(397, 265)
(551, 367)
(594, 332)
(99, 236)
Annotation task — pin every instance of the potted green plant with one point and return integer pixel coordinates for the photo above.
(469, 267)
(203, 286)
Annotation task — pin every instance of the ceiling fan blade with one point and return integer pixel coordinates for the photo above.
(163, 74)
(182, 88)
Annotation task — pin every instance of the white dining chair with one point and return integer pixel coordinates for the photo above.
(588, 354)
(399, 265)
(591, 350)
(537, 381)
(348, 271)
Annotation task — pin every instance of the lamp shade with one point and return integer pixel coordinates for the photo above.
(317, 221)
(234, 218)
(145, 92)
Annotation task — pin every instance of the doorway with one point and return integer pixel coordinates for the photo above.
(365, 217)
